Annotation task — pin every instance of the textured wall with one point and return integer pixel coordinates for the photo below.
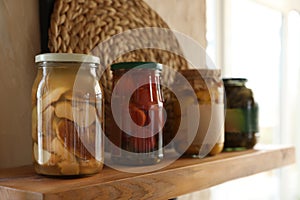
(19, 43)
(185, 16)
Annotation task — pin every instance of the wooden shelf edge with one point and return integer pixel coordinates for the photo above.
(183, 176)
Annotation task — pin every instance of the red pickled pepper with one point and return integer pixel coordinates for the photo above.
(143, 97)
(143, 144)
(139, 144)
(144, 100)
(137, 115)
(144, 105)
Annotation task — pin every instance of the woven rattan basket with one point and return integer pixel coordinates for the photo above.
(79, 26)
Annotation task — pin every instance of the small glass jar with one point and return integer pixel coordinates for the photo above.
(241, 122)
(138, 119)
(209, 90)
(67, 115)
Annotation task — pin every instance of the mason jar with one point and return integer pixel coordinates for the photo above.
(209, 92)
(137, 108)
(67, 115)
(241, 122)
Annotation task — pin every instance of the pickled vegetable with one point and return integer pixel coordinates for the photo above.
(241, 123)
(208, 89)
(142, 146)
(66, 122)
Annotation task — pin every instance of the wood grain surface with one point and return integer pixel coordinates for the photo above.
(183, 176)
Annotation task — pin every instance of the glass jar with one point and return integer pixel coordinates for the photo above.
(67, 115)
(137, 107)
(241, 122)
(209, 90)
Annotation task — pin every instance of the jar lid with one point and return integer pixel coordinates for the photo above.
(67, 57)
(234, 81)
(143, 65)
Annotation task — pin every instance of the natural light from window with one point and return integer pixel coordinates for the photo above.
(263, 45)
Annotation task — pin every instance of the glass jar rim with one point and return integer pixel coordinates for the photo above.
(141, 65)
(234, 80)
(200, 73)
(67, 57)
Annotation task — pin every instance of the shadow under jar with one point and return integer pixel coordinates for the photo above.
(67, 115)
(241, 122)
(136, 131)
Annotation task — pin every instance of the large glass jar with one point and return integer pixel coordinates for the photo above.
(137, 107)
(241, 122)
(209, 91)
(67, 115)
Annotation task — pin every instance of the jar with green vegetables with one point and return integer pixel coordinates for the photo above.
(241, 119)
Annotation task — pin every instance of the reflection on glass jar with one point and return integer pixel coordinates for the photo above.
(208, 88)
(241, 122)
(138, 121)
(67, 115)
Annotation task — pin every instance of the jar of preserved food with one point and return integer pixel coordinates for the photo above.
(241, 122)
(67, 115)
(209, 90)
(137, 107)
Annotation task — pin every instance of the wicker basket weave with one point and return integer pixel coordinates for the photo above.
(79, 26)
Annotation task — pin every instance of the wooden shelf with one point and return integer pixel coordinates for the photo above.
(183, 176)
